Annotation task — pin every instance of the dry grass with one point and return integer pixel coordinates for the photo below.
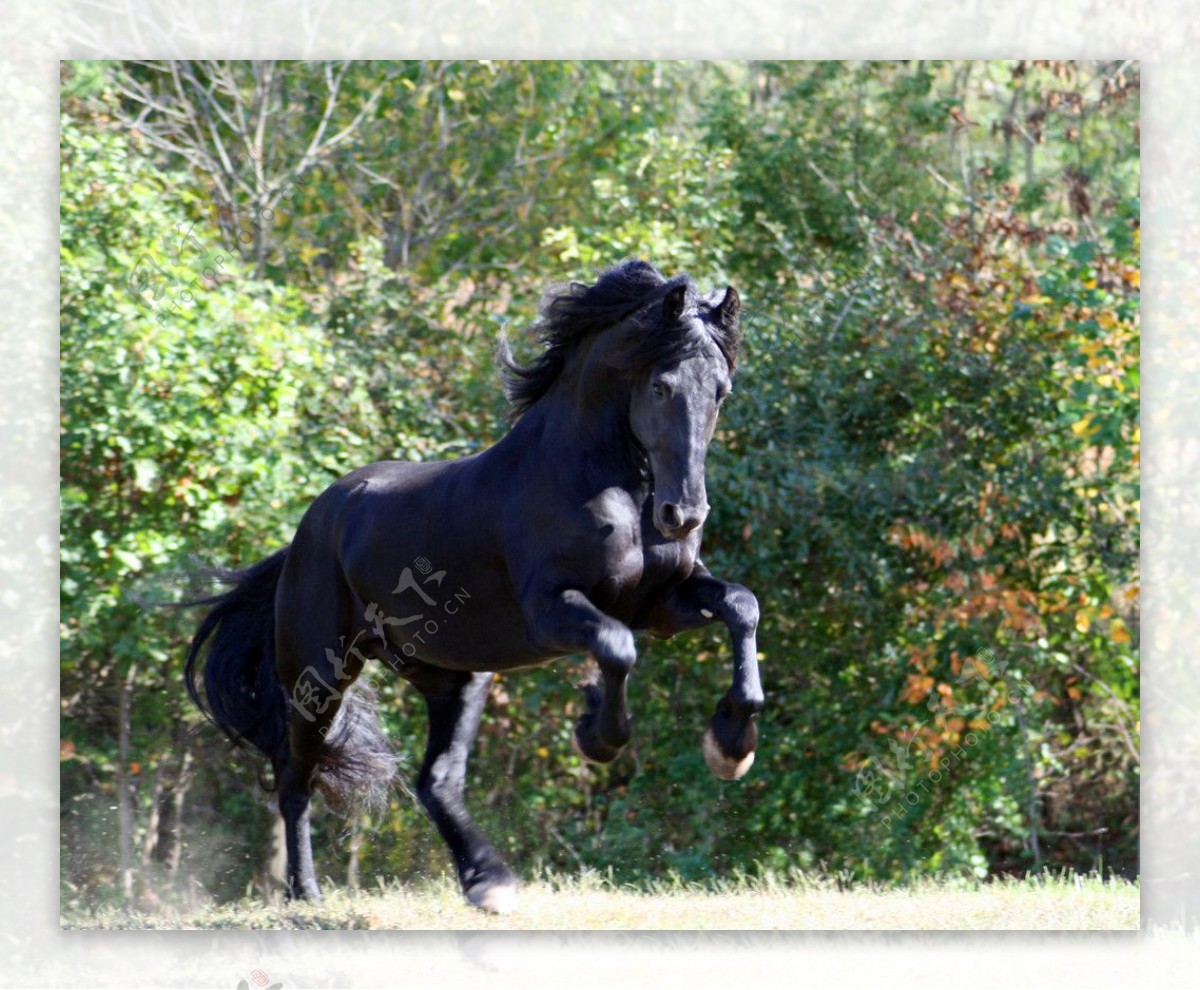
(1066, 903)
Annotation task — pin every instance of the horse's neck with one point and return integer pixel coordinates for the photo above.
(587, 447)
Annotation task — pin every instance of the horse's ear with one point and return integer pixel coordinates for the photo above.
(673, 304)
(729, 307)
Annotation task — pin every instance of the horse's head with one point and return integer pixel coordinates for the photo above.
(675, 399)
(673, 352)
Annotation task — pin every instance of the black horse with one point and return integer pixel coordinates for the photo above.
(581, 525)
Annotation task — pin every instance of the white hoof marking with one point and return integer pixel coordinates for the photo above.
(499, 899)
(720, 764)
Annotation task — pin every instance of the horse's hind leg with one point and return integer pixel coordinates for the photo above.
(315, 680)
(310, 717)
(455, 700)
(295, 805)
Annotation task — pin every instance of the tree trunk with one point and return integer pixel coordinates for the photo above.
(170, 841)
(272, 874)
(352, 868)
(125, 786)
(158, 799)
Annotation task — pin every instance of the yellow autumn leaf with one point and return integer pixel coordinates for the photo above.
(1120, 634)
(1083, 621)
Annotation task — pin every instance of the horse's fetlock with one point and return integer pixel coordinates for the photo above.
(753, 704)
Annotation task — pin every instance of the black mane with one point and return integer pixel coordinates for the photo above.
(571, 312)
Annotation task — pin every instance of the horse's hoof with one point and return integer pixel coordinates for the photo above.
(721, 765)
(577, 748)
(600, 753)
(496, 898)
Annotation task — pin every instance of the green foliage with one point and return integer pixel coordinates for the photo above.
(928, 471)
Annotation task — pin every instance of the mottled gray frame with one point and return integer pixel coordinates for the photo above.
(1163, 38)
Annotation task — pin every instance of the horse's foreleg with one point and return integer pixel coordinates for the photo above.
(455, 700)
(730, 741)
(570, 622)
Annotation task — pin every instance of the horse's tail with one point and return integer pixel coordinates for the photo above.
(243, 695)
(245, 698)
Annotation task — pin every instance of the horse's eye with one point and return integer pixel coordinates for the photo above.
(660, 390)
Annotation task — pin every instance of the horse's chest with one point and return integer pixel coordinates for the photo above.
(667, 563)
(636, 560)
(641, 569)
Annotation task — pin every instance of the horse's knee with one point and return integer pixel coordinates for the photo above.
(741, 607)
(615, 649)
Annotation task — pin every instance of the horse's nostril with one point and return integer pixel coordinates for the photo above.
(671, 516)
(677, 522)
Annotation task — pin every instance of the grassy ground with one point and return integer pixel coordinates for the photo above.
(800, 904)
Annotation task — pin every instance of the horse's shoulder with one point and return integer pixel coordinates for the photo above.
(615, 506)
